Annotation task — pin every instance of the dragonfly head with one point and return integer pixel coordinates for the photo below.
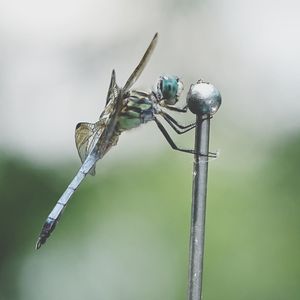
(169, 89)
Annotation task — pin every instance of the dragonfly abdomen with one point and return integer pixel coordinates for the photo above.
(137, 110)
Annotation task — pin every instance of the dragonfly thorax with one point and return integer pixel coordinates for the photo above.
(138, 109)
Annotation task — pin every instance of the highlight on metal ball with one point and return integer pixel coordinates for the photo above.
(203, 98)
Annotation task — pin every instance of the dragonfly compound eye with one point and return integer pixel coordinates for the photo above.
(170, 88)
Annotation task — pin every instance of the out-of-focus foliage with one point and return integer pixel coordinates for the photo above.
(24, 190)
(125, 233)
(253, 229)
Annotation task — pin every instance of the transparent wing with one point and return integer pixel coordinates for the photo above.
(113, 89)
(140, 67)
(94, 140)
(86, 135)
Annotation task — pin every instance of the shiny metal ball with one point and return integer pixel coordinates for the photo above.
(203, 98)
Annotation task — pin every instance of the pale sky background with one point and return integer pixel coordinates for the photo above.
(57, 56)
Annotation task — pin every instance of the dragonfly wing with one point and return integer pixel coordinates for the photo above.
(113, 88)
(83, 133)
(86, 135)
(94, 140)
(140, 67)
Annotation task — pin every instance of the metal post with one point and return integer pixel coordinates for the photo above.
(204, 100)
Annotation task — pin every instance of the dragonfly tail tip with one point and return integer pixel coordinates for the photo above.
(38, 244)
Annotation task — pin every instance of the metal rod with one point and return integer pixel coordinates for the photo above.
(204, 100)
(197, 232)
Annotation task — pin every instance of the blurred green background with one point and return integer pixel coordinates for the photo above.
(125, 234)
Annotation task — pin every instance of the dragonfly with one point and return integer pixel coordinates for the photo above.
(125, 109)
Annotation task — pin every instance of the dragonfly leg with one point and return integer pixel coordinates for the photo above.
(173, 123)
(174, 146)
(178, 109)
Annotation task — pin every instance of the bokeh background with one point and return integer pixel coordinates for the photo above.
(125, 233)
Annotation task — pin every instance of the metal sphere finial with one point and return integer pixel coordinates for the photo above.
(203, 98)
